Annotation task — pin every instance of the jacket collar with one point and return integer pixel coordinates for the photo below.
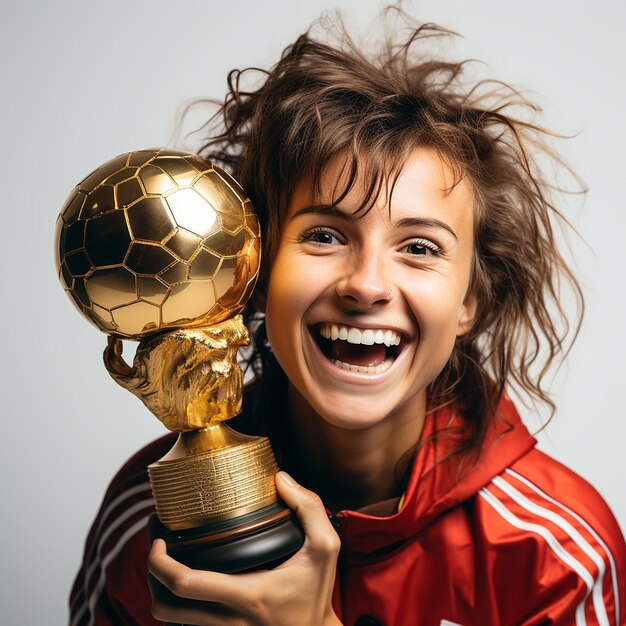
(438, 481)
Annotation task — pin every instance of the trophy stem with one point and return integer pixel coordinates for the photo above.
(207, 439)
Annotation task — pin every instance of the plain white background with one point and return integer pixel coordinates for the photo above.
(84, 81)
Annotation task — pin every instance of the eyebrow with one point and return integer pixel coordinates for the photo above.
(335, 211)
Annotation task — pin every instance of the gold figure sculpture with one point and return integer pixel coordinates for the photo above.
(163, 247)
(189, 379)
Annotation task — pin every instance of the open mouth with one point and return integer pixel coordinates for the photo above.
(365, 351)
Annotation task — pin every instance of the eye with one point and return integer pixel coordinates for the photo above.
(422, 247)
(322, 236)
(416, 248)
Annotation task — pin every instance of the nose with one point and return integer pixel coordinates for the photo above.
(364, 282)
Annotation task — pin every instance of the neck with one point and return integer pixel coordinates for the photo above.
(352, 468)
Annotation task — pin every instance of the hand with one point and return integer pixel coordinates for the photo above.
(298, 591)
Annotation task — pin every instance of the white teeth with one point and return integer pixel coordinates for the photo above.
(354, 335)
(376, 369)
(366, 337)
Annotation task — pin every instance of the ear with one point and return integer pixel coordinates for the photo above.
(467, 312)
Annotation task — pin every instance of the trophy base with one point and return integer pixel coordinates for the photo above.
(258, 540)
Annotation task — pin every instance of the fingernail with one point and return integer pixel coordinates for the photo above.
(288, 480)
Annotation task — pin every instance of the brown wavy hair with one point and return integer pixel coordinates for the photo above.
(330, 97)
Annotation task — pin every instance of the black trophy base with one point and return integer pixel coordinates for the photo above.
(258, 540)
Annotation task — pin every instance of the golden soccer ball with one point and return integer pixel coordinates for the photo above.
(157, 239)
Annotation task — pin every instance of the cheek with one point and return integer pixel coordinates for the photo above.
(283, 292)
(436, 304)
(296, 281)
(288, 296)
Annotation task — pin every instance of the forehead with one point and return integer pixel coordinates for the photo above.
(426, 185)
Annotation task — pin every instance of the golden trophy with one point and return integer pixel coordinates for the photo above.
(163, 247)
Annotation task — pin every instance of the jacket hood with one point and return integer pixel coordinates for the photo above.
(438, 481)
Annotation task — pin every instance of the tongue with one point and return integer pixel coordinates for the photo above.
(358, 354)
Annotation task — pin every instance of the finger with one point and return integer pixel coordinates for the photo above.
(185, 582)
(175, 611)
(311, 513)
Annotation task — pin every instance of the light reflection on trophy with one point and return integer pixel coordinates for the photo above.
(163, 247)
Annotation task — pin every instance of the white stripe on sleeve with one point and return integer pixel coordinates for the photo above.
(570, 531)
(121, 542)
(552, 543)
(101, 521)
(586, 525)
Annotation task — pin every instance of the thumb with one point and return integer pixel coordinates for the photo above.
(308, 506)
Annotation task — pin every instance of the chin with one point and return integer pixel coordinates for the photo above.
(349, 413)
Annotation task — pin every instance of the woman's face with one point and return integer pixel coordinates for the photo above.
(363, 313)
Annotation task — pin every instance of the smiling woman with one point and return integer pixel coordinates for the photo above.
(362, 273)
(410, 277)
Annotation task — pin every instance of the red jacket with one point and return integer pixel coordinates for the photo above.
(515, 539)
